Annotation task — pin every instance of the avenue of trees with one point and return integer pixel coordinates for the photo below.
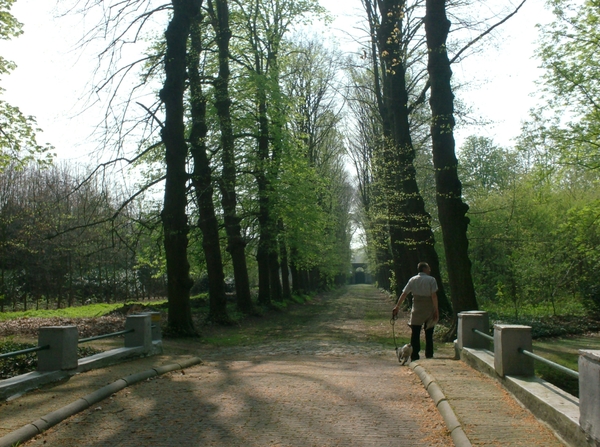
(245, 136)
(235, 133)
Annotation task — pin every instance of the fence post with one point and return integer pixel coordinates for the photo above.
(508, 338)
(62, 353)
(469, 320)
(589, 393)
(156, 331)
(142, 332)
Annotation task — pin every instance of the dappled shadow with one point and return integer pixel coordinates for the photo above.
(293, 402)
(316, 380)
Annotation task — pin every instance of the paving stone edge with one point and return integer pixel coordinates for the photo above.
(459, 438)
(37, 427)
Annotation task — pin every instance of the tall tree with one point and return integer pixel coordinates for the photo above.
(451, 208)
(236, 244)
(202, 180)
(411, 237)
(174, 216)
(362, 145)
(264, 25)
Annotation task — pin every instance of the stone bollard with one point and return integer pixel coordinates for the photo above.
(156, 331)
(589, 394)
(142, 332)
(508, 338)
(469, 320)
(62, 354)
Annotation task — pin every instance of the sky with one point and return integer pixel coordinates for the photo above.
(51, 81)
(501, 77)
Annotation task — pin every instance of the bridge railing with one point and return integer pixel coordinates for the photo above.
(57, 345)
(513, 356)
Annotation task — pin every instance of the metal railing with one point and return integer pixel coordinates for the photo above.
(99, 337)
(483, 334)
(24, 351)
(81, 340)
(550, 363)
(561, 368)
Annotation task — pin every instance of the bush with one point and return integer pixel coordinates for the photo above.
(591, 300)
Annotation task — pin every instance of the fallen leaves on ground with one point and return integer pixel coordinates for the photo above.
(87, 327)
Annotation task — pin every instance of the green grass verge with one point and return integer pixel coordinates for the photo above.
(89, 311)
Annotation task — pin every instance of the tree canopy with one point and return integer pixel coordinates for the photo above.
(18, 142)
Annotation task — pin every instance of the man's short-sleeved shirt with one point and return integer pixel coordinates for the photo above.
(421, 285)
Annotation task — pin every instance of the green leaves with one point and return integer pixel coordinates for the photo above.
(9, 26)
(570, 54)
(18, 145)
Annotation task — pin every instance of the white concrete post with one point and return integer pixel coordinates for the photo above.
(62, 353)
(469, 320)
(142, 332)
(589, 394)
(508, 338)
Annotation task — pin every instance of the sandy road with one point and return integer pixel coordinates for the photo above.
(323, 378)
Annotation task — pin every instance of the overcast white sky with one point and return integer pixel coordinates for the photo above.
(52, 77)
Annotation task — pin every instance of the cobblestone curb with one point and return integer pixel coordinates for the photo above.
(35, 428)
(454, 427)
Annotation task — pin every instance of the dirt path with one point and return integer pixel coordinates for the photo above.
(318, 375)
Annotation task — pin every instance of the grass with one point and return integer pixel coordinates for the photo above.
(565, 352)
(89, 311)
(557, 338)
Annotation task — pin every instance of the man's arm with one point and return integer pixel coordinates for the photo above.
(400, 300)
(434, 299)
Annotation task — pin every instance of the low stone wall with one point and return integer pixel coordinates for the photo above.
(575, 420)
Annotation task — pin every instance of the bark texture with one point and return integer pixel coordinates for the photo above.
(174, 217)
(236, 245)
(411, 237)
(452, 210)
(203, 184)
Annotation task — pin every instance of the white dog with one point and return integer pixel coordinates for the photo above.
(404, 353)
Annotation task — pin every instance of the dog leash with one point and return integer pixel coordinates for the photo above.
(393, 323)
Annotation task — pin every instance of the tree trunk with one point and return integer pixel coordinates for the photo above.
(203, 187)
(264, 238)
(285, 270)
(452, 210)
(295, 279)
(275, 282)
(236, 244)
(174, 217)
(411, 236)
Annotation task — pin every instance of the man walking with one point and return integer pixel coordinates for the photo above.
(424, 312)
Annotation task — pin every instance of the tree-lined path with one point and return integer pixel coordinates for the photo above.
(319, 374)
(323, 378)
